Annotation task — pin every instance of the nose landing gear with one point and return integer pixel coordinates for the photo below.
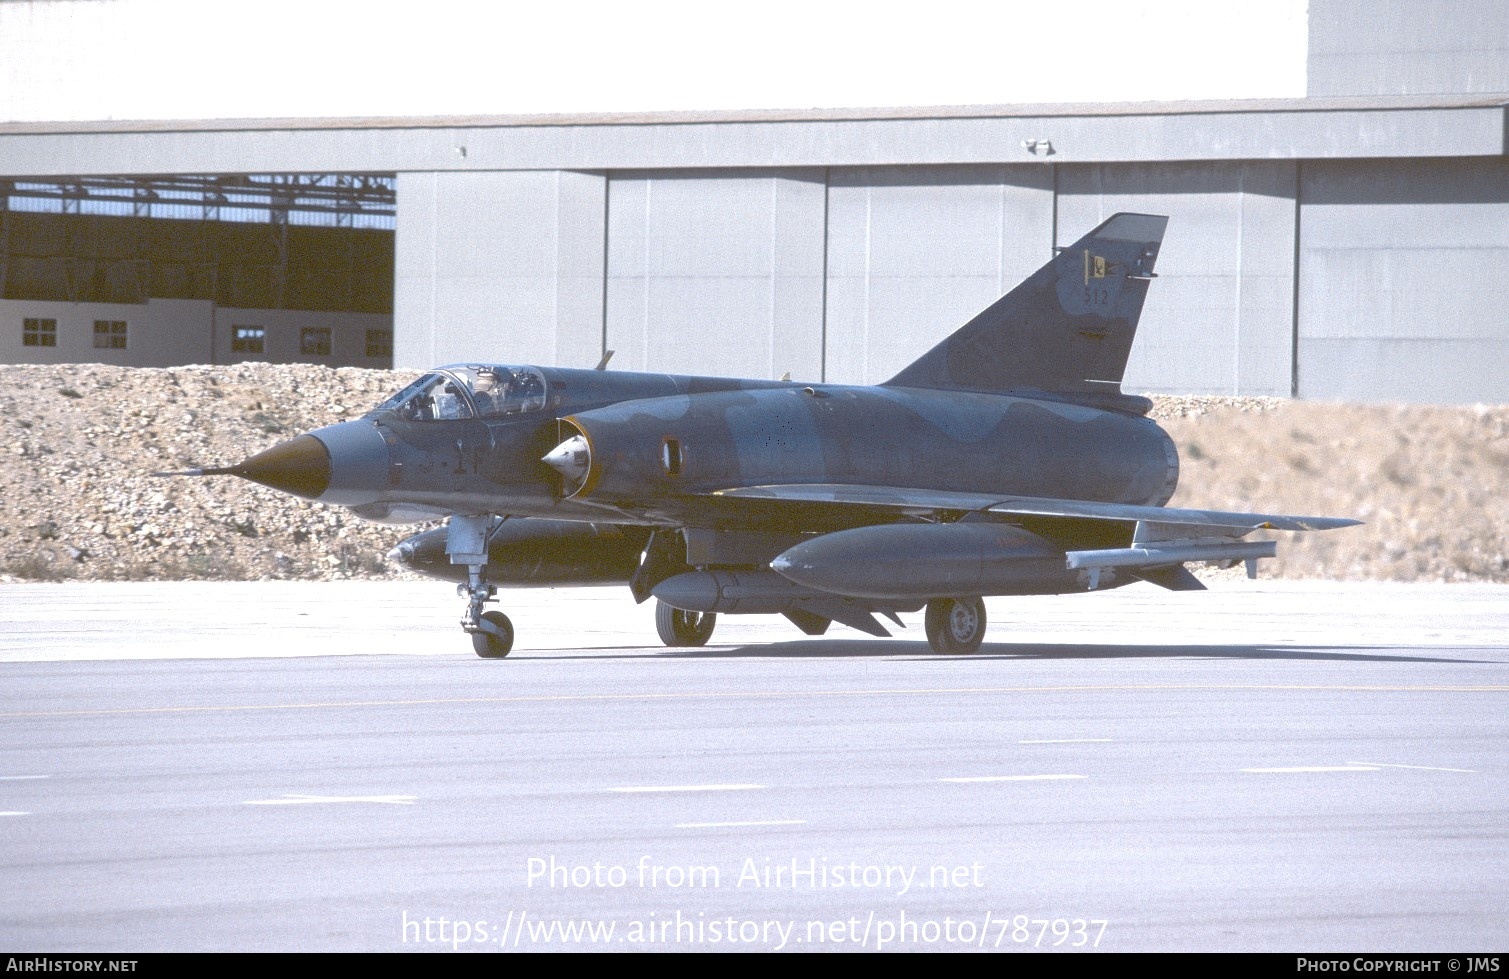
(494, 642)
(466, 543)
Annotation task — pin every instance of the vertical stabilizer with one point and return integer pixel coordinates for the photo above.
(1065, 332)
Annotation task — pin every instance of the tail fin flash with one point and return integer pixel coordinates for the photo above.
(1065, 332)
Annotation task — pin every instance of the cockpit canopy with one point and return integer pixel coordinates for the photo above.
(470, 391)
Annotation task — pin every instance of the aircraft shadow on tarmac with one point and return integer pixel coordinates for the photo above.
(870, 648)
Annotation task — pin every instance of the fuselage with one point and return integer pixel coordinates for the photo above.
(655, 448)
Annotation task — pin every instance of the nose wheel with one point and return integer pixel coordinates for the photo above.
(494, 636)
(955, 626)
(491, 632)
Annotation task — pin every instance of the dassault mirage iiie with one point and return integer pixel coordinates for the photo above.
(1005, 461)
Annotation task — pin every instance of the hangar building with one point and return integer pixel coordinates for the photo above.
(1349, 244)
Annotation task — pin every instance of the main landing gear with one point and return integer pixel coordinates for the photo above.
(955, 626)
(678, 627)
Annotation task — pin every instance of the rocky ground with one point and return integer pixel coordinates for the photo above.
(1429, 482)
(80, 442)
(78, 498)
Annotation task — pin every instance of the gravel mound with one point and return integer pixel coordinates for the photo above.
(78, 501)
(1428, 481)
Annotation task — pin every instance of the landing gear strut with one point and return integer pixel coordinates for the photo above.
(492, 633)
(466, 543)
(681, 628)
(955, 626)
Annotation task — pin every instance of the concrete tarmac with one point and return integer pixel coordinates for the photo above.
(1270, 765)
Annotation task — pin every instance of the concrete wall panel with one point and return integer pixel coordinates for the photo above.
(168, 332)
(159, 333)
(1408, 47)
(499, 266)
(716, 273)
(1219, 317)
(915, 252)
(581, 241)
(1415, 371)
(283, 336)
(1403, 270)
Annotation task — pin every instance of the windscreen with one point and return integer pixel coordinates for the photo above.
(470, 390)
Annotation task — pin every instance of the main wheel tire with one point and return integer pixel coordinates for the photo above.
(489, 646)
(955, 626)
(678, 627)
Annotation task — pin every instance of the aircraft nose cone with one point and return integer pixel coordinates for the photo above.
(346, 463)
(300, 466)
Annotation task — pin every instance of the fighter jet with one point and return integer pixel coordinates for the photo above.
(1005, 461)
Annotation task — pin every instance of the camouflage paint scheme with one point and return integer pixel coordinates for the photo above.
(1006, 460)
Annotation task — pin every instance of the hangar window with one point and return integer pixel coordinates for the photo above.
(110, 334)
(314, 341)
(39, 333)
(379, 343)
(248, 339)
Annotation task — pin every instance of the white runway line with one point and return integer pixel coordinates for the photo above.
(1418, 768)
(21, 778)
(1305, 769)
(1010, 778)
(744, 823)
(15, 814)
(687, 788)
(1067, 741)
(303, 800)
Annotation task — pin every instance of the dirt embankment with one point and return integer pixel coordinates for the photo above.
(77, 498)
(1429, 482)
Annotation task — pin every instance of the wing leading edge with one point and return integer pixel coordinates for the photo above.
(1212, 522)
